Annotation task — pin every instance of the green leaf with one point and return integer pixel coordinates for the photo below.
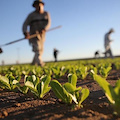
(31, 86)
(69, 87)
(15, 82)
(117, 88)
(73, 98)
(46, 90)
(42, 87)
(72, 78)
(33, 78)
(5, 82)
(84, 95)
(60, 91)
(44, 84)
(107, 88)
(36, 82)
(46, 79)
(42, 92)
(78, 89)
(23, 89)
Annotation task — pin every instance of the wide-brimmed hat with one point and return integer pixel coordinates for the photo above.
(37, 2)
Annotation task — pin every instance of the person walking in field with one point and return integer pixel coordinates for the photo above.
(97, 54)
(55, 54)
(107, 43)
(38, 22)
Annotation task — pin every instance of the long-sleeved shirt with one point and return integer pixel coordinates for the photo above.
(37, 22)
(107, 41)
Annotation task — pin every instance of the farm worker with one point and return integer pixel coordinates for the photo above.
(39, 21)
(55, 53)
(107, 43)
(97, 54)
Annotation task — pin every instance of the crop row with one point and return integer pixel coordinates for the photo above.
(58, 71)
(40, 81)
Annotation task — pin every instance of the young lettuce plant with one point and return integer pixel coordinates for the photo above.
(80, 93)
(60, 92)
(8, 81)
(94, 69)
(47, 71)
(63, 70)
(72, 69)
(112, 93)
(56, 72)
(68, 92)
(37, 71)
(22, 88)
(4, 83)
(104, 71)
(82, 72)
(39, 88)
(117, 65)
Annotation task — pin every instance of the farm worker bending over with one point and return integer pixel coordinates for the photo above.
(39, 21)
(107, 43)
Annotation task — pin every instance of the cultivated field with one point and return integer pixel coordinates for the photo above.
(82, 89)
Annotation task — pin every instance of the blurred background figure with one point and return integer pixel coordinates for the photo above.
(3, 63)
(1, 50)
(108, 52)
(17, 62)
(55, 53)
(97, 54)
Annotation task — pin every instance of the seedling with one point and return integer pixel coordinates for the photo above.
(8, 82)
(82, 72)
(104, 69)
(68, 92)
(39, 88)
(112, 93)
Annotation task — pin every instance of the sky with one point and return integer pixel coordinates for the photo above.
(84, 24)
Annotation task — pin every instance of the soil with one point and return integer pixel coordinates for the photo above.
(17, 106)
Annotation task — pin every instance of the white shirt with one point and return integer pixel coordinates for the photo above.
(107, 41)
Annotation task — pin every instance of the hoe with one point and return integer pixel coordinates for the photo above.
(32, 36)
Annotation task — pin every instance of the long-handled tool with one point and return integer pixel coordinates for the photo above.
(31, 36)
